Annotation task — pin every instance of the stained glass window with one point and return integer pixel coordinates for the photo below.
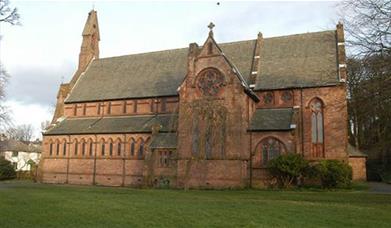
(268, 98)
(210, 81)
(317, 127)
(286, 96)
(270, 149)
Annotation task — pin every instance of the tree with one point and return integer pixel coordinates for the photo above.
(368, 25)
(44, 125)
(4, 117)
(368, 29)
(21, 133)
(8, 15)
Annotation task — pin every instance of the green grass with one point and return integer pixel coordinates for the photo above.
(24, 204)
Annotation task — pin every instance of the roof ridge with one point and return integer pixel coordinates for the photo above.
(225, 43)
(141, 53)
(299, 34)
(167, 50)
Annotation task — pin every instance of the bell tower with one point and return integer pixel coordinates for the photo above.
(89, 50)
(90, 45)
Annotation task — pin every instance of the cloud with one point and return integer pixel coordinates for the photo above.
(37, 84)
(33, 114)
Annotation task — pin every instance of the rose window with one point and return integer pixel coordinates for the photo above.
(210, 81)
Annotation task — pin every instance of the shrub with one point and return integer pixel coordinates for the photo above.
(287, 168)
(334, 174)
(7, 171)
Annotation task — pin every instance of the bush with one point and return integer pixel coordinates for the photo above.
(7, 171)
(287, 168)
(334, 174)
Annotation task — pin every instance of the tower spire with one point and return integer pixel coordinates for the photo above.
(90, 45)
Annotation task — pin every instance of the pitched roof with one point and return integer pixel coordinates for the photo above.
(128, 124)
(303, 60)
(271, 119)
(19, 146)
(150, 74)
(164, 140)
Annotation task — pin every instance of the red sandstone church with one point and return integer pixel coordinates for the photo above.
(204, 116)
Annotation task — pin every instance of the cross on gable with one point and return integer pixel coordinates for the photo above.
(211, 26)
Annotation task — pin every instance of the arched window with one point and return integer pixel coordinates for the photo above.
(83, 147)
(57, 147)
(195, 136)
(141, 149)
(317, 135)
(103, 147)
(132, 147)
(64, 148)
(76, 146)
(111, 147)
(90, 147)
(119, 148)
(51, 148)
(269, 148)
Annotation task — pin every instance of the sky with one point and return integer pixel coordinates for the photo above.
(43, 51)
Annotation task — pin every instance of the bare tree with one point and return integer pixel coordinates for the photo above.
(4, 114)
(368, 25)
(8, 14)
(21, 133)
(368, 30)
(44, 125)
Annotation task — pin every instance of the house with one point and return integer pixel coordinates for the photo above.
(209, 116)
(22, 155)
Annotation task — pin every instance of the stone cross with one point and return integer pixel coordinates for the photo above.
(211, 26)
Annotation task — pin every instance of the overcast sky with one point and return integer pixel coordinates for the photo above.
(43, 52)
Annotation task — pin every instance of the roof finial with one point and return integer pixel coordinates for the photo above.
(211, 26)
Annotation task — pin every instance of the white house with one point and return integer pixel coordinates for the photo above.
(22, 155)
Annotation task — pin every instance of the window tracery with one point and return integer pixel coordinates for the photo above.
(210, 81)
(317, 128)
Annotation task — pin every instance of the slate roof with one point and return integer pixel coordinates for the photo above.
(303, 60)
(128, 124)
(271, 119)
(19, 146)
(150, 74)
(164, 140)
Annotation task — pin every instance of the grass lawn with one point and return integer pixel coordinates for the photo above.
(24, 204)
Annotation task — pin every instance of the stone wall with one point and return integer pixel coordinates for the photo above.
(358, 165)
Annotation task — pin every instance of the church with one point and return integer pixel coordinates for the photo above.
(205, 116)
